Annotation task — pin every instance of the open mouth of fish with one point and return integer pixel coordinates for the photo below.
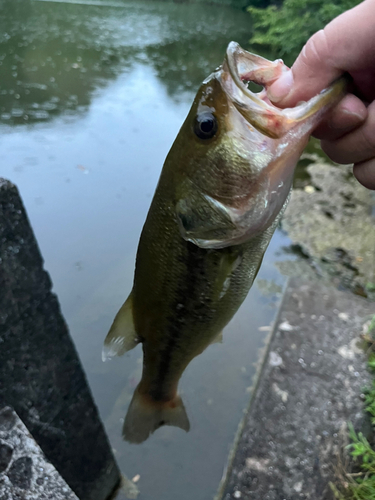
(245, 67)
(241, 67)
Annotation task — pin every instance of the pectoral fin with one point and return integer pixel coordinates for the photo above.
(122, 336)
(229, 262)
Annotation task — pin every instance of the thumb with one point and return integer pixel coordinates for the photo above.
(345, 44)
(309, 75)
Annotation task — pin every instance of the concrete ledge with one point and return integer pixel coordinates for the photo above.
(41, 376)
(24, 470)
(309, 389)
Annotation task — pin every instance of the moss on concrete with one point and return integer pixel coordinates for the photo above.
(331, 225)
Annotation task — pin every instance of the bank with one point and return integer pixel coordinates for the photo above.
(292, 443)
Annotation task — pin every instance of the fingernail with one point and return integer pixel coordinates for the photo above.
(359, 114)
(281, 88)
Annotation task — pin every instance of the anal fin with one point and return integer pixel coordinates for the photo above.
(122, 336)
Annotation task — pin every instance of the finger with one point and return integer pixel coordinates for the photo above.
(306, 78)
(357, 146)
(328, 54)
(349, 114)
(364, 82)
(365, 173)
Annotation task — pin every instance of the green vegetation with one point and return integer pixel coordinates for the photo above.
(361, 485)
(239, 4)
(285, 29)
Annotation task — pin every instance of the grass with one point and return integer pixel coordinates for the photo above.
(360, 485)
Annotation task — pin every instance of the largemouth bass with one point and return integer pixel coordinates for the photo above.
(221, 192)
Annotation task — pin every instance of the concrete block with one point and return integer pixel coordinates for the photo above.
(24, 471)
(40, 373)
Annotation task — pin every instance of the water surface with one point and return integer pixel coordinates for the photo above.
(91, 99)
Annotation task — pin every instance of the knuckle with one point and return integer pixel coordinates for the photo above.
(365, 173)
(316, 49)
(367, 131)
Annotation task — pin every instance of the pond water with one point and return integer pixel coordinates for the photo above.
(92, 96)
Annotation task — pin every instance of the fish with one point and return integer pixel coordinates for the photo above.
(222, 190)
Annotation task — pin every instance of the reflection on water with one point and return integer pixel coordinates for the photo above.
(91, 99)
(53, 56)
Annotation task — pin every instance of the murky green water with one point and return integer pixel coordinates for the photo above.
(91, 99)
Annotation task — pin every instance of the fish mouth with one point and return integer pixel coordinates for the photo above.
(241, 67)
(244, 67)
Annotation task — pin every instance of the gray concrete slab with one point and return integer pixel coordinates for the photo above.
(24, 471)
(310, 387)
(40, 373)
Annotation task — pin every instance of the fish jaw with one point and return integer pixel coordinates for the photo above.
(240, 67)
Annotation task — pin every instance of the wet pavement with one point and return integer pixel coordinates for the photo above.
(310, 387)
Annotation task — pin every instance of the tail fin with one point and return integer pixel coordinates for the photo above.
(122, 335)
(145, 416)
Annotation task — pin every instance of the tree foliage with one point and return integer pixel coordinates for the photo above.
(286, 29)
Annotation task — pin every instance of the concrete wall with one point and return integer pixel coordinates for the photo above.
(40, 373)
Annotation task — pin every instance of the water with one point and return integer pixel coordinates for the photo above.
(91, 99)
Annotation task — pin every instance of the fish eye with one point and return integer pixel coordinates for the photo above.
(205, 126)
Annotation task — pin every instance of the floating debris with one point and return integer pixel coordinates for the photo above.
(129, 488)
(266, 328)
(83, 169)
(286, 327)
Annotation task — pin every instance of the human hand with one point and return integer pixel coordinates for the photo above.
(347, 44)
